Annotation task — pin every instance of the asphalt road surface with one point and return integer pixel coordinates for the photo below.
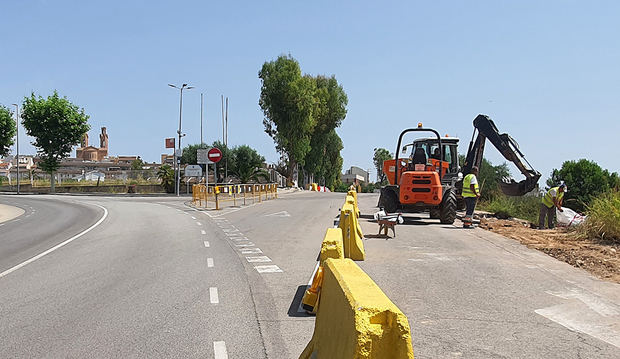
(149, 277)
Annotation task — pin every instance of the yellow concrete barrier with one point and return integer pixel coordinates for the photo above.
(356, 319)
(330, 248)
(351, 233)
(332, 245)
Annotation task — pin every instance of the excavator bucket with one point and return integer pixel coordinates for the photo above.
(510, 187)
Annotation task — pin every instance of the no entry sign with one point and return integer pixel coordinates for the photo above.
(215, 155)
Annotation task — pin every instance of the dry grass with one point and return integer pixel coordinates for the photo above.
(603, 219)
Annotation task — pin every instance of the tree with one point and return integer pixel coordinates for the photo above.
(137, 164)
(248, 164)
(7, 130)
(330, 110)
(56, 125)
(287, 100)
(585, 180)
(332, 162)
(166, 176)
(381, 155)
(189, 155)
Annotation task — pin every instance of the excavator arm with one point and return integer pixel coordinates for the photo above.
(508, 147)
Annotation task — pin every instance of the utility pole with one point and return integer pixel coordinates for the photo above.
(17, 142)
(226, 142)
(201, 105)
(178, 179)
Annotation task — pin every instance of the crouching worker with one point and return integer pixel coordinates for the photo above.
(471, 194)
(551, 200)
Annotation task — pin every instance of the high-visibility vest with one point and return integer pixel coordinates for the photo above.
(547, 199)
(467, 186)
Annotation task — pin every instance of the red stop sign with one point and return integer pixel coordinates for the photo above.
(215, 155)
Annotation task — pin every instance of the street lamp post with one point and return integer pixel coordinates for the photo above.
(178, 162)
(17, 142)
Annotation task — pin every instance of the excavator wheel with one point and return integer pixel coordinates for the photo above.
(448, 207)
(388, 200)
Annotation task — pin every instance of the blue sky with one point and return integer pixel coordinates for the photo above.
(547, 72)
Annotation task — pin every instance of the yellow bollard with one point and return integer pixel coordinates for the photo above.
(217, 202)
(245, 193)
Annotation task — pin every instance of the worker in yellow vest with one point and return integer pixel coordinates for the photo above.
(471, 193)
(551, 200)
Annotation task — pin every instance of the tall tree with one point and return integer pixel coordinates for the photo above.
(330, 110)
(585, 180)
(56, 125)
(332, 162)
(381, 155)
(287, 100)
(7, 130)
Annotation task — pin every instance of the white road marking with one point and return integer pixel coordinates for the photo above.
(193, 217)
(278, 214)
(586, 313)
(198, 223)
(202, 231)
(206, 243)
(219, 349)
(268, 269)
(213, 295)
(251, 251)
(250, 244)
(13, 269)
(209, 262)
(258, 259)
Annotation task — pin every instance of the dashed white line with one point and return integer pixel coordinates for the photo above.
(268, 269)
(219, 348)
(193, 217)
(249, 244)
(209, 262)
(258, 259)
(206, 243)
(213, 295)
(198, 223)
(202, 231)
(251, 251)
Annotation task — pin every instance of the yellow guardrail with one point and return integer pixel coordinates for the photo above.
(356, 319)
(218, 195)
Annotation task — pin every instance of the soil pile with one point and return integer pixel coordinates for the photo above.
(601, 258)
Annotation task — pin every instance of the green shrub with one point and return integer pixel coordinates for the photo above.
(503, 206)
(341, 187)
(603, 219)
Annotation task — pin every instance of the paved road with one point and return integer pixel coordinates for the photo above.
(143, 283)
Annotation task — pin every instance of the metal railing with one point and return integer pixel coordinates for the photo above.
(217, 196)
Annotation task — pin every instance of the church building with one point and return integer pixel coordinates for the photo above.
(92, 153)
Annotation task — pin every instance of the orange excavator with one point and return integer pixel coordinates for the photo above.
(430, 179)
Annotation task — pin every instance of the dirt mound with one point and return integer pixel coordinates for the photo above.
(601, 258)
